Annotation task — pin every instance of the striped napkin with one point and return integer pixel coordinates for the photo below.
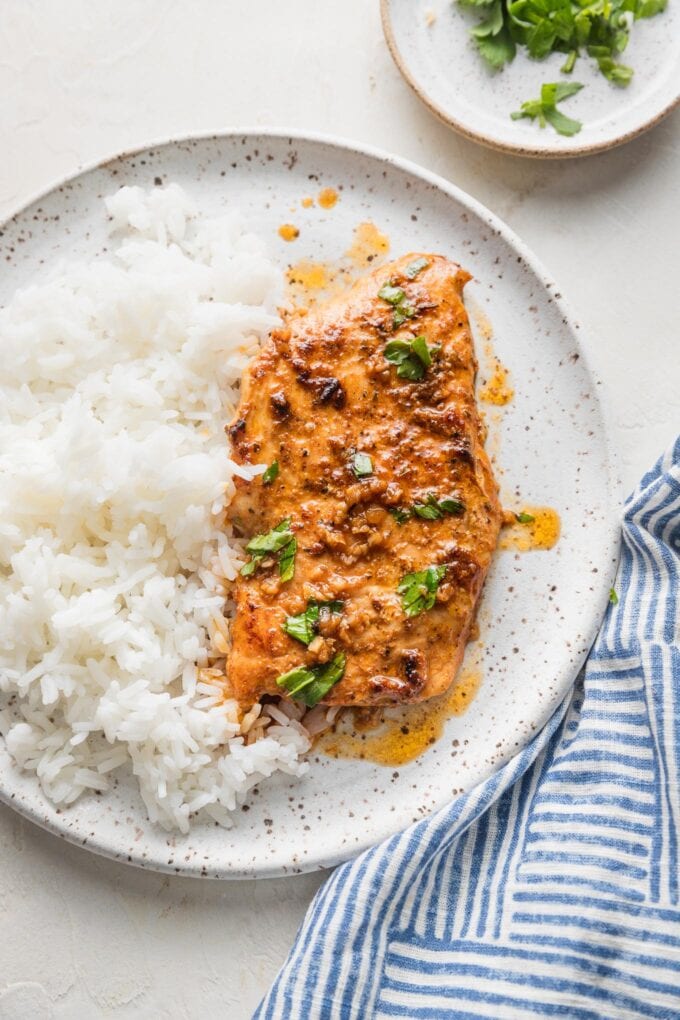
(552, 889)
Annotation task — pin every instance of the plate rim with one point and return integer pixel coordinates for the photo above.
(526, 151)
(237, 870)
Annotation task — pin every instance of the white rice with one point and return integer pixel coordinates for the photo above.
(116, 379)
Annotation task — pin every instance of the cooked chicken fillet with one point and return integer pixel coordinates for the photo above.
(320, 399)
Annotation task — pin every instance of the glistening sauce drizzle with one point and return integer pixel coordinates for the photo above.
(327, 198)
(310, 282)
(399, 735)
(541, 533)
(288, 231)
(497, 389)
(307, 276)
(368, 246)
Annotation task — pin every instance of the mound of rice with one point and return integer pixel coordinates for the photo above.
(116, 379)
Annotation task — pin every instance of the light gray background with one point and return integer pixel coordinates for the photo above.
(81, 937)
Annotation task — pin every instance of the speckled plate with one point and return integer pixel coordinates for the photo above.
(541, 610)
(431, 46)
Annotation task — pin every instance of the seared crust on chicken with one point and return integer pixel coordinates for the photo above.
(322, 391)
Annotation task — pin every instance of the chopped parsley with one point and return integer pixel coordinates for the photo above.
(362, 465)
(613, 597)
(287, 560)
(415, 267)
(401, 314)
(412, 357)
(600, 28)
(419, 591)
(309, 684)
(525, 518)
(304, 626)
(431, 509)
(271, 474)
(396, 297)
(492, 35)
(545, 108)
(400, 515)
(279, 542)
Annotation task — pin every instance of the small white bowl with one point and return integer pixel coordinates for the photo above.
(431, 46)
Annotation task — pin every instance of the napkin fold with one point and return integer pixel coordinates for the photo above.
(551, 889)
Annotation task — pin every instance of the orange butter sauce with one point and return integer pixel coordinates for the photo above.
(327, 198)
(368, 245)
(308, 275)
(395, 736)
(310, 281)
(288, 231)
(497, 389)
(541, 533)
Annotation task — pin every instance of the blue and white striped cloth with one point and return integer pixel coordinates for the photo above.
(552, 889)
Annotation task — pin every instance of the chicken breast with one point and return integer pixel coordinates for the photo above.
(385, 504)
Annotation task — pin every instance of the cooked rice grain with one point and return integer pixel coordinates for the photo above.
(118, 375)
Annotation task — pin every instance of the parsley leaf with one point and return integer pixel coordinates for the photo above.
(271, 474)
(402, 313)
(434, 509)
(362, 465)
(452, 505)
(413, 357)
(545, 109)
(619, 74)
(287, 560)
(272, 540)
(568, 65)
(400, 515)
(600, 27)
(563, 125)
(415, 267)
(303, 627)
(613, 597)
(309, 684)
(419, 590)
(429, 510)
(525, 518)
(648, 8)
(280, 542)
(395, 296)
(497, 50)
(555, 92)
(421, 350)
(492, 36)
(492, 23)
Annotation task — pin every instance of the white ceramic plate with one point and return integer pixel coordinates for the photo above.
(441, 64)
(541, 610)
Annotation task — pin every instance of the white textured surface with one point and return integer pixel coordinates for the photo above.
(82, 937)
